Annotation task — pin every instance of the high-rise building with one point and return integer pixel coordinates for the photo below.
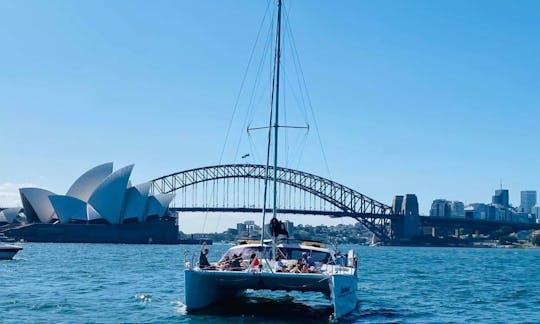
(502, 198)
(536, 212)
(477, 211)
(528, 201)
(241, 228)
(290, 227)
(457, 209)
(440, 208)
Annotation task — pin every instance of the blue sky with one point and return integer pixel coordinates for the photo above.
(437, 98)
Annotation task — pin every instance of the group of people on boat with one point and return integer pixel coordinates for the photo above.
(305, 264)
(232, 264)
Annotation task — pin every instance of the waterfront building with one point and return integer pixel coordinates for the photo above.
(98, 196)
(457, 209)
(528, 201)
(478, 211)
(248, 229)
(241, 228)
(290, 227)
(101, 206)
(502, 198)
(440, 208)
(536, 213)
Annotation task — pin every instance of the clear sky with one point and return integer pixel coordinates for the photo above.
(437, 98)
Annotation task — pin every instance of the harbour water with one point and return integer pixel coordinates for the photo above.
(102, 283)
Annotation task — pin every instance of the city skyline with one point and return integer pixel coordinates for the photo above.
(399, 110)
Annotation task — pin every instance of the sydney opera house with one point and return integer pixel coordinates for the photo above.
(101, 206)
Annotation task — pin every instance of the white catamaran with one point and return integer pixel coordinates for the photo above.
(278, 264)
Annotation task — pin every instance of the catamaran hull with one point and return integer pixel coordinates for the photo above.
(343, 295)
(203, 288)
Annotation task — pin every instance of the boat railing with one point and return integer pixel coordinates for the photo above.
(188, 260)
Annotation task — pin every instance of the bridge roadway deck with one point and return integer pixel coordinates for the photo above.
(333, 214)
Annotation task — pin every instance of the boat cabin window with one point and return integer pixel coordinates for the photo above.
(245, 251)
(296, 254)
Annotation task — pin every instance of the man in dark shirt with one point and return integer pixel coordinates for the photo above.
(203, 260)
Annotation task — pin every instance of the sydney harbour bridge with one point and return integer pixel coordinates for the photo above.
(239, 188)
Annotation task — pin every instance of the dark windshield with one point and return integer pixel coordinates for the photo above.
(246, 252)
(296, 254)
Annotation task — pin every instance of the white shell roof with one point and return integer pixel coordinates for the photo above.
(158, 204)
(39, 203)
(8, 215)
(68, 208)
(108, 198)
(87, 183)
(136, 198)
(92, 213)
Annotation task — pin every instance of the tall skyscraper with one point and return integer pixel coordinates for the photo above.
(457, 209)
(440, 208)
(528, 201)
(502, 198)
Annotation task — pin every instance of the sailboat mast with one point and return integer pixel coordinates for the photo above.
(276, 102)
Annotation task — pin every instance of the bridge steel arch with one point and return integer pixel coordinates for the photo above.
(371, 213)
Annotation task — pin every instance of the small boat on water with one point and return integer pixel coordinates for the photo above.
(277, 264)
(8, 251)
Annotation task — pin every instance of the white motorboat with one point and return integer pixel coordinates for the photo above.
(8, 251)
(276, 264)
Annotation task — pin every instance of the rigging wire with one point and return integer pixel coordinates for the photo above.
(295, 51)
(237, 101)
(256, 85)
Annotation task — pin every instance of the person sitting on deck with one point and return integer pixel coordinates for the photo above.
(297, 268)
(310, 261)
(225, 264)
(253, 261)
(280, 266)
(235, 263)
(203, 260)
(304, 259)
